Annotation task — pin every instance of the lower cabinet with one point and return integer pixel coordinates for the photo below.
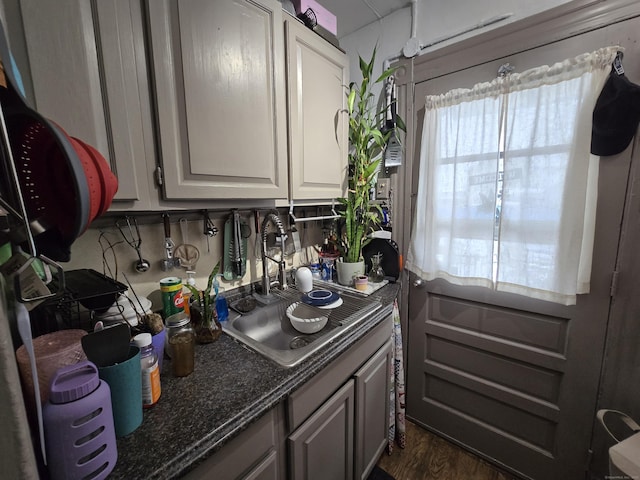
(255, 454)
(323, 446)
(332, 428)
(372, 411)
(339, 420)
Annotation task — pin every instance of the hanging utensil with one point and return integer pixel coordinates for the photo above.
(257, 247)
(187, 253)
(169, 261)
(237, 245)
(210, 230)
(236, 232)
(393, 152)
(135, 241)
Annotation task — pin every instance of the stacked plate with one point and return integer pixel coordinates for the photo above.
(325, 299)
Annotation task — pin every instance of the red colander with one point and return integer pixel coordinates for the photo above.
(102, 183)
(65, 183)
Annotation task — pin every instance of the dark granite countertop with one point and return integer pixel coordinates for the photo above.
(230, 388)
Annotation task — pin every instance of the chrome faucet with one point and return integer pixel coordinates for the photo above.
(282, 275)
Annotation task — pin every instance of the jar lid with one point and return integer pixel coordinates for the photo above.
(73, 382)
(177, 320)
(142, 340)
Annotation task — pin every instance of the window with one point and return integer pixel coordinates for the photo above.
(507, 189)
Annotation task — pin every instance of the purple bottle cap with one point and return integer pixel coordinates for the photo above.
(73, 382)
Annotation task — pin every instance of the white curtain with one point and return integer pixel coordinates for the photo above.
(508, 188)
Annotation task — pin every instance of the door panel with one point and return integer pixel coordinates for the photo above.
(513, 379)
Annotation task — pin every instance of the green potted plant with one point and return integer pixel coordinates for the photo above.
(202, 308)
(367, 142)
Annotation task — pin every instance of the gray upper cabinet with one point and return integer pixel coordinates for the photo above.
(88, 71)
(218, 74)
(187, 100)
(317, 77)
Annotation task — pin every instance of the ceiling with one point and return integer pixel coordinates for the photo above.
(355, 14)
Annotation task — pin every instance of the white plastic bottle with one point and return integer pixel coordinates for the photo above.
(186, 292)
(150, 370)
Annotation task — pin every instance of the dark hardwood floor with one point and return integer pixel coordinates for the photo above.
(430, 457)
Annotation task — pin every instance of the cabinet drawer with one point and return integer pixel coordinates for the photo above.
(311, 396)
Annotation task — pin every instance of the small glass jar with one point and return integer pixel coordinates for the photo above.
(181, 341)
(376, 274)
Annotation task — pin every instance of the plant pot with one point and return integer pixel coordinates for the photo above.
(206, 332)
(348, 271)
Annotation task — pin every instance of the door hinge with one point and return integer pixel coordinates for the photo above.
(614, 283)
(158, 175)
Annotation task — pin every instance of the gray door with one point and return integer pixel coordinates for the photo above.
(515, 379)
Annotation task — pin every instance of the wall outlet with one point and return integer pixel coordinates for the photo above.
(382, 188)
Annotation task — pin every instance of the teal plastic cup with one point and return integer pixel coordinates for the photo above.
(125, 382)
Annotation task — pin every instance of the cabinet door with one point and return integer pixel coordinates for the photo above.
(322, 447)
(318, 74)
(220, 97)
(88, 69)
(372, 411)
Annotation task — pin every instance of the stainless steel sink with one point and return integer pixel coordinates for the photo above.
(267, 329)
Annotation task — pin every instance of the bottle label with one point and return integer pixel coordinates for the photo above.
(150, 385)
(172, 301)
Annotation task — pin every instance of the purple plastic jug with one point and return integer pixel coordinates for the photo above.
(78, 424)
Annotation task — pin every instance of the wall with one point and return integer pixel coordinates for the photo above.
(104, 249)
(435, 22)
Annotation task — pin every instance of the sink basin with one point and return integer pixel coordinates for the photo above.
(267, 329)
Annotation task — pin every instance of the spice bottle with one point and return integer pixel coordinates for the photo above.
(150, 369)
(181, 341)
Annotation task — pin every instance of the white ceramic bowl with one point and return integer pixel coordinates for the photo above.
(298, 313)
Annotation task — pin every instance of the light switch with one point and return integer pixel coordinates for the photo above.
(382, 188)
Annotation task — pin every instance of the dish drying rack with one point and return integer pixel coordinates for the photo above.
(86, 291)
(355, 309)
